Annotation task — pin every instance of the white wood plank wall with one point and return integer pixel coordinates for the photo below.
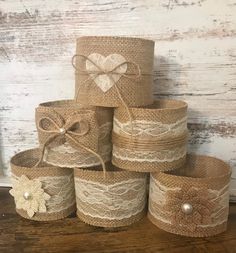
(195, 61)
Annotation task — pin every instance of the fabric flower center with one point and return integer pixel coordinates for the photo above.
(27, 195)
(187, 208)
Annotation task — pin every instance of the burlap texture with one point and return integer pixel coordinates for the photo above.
(78, 119)
(204, 182)
(23, 164)
(134, 92)
(164, 112)
(113, 176)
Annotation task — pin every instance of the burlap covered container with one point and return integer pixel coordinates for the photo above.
(113, 71)
(114, 200)
(153, 140)
(192, 201)
(71, 135)
(41, 193)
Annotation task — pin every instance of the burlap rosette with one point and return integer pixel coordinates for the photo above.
(119, 199)
(192, 201)
(72, 135)
(113, 71)
(154, 140)
(41, 193)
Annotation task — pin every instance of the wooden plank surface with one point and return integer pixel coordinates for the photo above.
(71, 235)
(195, 60)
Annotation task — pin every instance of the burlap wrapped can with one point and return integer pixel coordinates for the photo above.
(71, 135)
(114, 200)
(192, 201)
(41, 193)
(154, 140)
(113, 71)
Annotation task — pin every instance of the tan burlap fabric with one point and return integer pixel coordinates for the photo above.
(119, 199)
(192, 201)
(69, 133)
(132, 87)
(155, 140)
(57, 183)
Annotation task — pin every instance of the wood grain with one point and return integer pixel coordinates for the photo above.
(72, 235)
(195, 61)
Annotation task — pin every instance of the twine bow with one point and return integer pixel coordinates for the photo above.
(94, 74)
(75, 127)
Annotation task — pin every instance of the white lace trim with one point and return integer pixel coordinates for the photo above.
(67, 156)
(149, 156)
(157, 198)
(144, 128)
(60, 189)
(113, 201)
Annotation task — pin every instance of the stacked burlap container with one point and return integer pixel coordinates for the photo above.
(118, 199)
(154, 139)
(72, 135)
(192, 201)
(103, 161)
(114, 71)
(43, 192)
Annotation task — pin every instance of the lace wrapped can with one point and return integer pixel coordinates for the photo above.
(118, 199)
(113, 71)
(153, 140)
(71, 135)
(192, 201)
(41, 193)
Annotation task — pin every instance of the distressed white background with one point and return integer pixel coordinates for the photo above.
(195, 61)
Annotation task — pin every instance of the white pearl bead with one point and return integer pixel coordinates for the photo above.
(62, 130)
(187, 208)
(27, 195)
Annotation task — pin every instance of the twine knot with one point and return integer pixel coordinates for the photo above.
(74, 129)
(62, 130)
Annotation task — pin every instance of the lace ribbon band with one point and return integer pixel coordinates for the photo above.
(192, 201)
(118, 200)
(43, 193)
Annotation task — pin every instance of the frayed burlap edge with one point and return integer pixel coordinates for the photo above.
(48, 216)
(199, 232)
(111, 223)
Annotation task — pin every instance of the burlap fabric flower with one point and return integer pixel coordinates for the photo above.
(189, 207)
(29, 195)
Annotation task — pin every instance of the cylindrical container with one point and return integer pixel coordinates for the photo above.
(113, 71)
(73, 135)
(192, 201)
(153, 140)
(114, 200)
(41, 193)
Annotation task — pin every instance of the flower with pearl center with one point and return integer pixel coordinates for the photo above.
(29, 195)
(189, 207)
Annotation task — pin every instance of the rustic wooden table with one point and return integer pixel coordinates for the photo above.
(71, 235)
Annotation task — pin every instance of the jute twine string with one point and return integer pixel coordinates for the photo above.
(67, 131)
(94, 74)
(149, 144)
